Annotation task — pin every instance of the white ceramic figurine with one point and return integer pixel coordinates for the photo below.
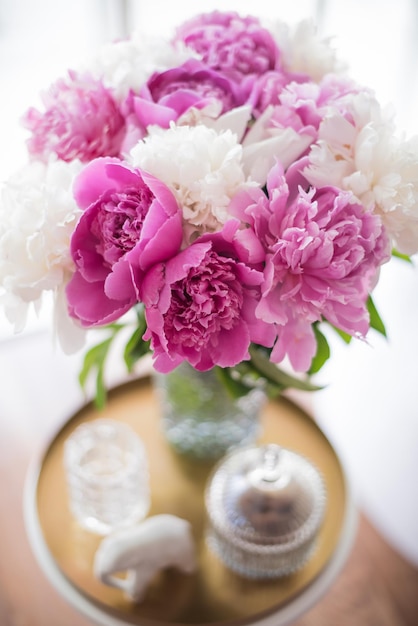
(142, 550)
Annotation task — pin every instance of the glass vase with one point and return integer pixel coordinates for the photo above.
(199, 416)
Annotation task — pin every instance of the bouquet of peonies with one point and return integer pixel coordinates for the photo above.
(227, 192)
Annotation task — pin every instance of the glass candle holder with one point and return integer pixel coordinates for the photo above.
(265, 506)
(107, 476)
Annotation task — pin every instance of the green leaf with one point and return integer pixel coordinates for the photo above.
(322, 351)
(135, 348)
(344, 336)
(275, 375)
(93, 365)
(375, 319)
(236, 387)
(403, 257)
(101, 391)
(92, 359)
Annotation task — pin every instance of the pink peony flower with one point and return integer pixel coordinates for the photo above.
(237, 46)
(200, 305)
(130, 221)
(312, 102)
(268, 88)
(323, 251)
(81, 121)
(299, 103)
(169, 95)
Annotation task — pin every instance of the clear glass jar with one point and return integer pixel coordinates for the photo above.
(200, 418)
(265, 506)
(107, 475)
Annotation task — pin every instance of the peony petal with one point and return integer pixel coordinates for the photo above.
(89, 304)
(98, 176)
(119, 284)
(236, 120)
(149, 113)
(164, 245)
(152, 285)
(297, 341)
(285, 147)
(238, 341)
(178, 267)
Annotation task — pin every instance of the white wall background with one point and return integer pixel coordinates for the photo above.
(370, 408)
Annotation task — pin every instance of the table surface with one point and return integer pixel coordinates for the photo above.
(214, 594)
(377, 585)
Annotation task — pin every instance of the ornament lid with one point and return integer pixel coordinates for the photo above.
(266, 496)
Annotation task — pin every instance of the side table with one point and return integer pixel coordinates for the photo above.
(214, 595)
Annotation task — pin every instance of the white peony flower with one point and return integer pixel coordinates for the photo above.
(128, 64)
(360, 152)
(386, 168)
(236, 120)
(304, 51)
(37, 217)
(203, 168)
(265, 144)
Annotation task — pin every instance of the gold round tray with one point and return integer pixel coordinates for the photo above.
(214, 595)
